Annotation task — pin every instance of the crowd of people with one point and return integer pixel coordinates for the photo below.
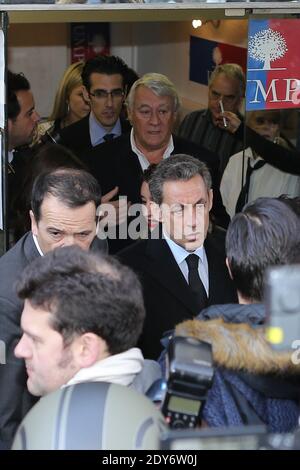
(123, 229)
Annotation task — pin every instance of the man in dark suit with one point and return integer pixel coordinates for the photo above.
(184, 270)
(63, 213)
(152, 105)
(104, 85)
(22, 123)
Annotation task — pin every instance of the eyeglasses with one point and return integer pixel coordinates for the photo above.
(104, 94)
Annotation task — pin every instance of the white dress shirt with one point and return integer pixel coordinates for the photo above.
(144, 162)
(268, 181)
(37, 245)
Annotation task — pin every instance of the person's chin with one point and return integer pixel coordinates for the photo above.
(32, 389)
(192, 243)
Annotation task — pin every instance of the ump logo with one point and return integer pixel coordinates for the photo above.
(266, 46)
(273, 72)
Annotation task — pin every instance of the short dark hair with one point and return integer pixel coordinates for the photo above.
(146, 175)
(86, 293)
(292, 202)
(176, 168)
(72, 187)
(266, 233)
(108, 65)
(15, 82)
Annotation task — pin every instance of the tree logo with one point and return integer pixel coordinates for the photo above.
(266, 46)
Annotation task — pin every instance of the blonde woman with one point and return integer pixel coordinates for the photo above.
(69, 105)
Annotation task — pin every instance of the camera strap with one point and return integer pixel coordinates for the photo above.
(245, 409)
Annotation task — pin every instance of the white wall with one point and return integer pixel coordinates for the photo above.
(41, 52)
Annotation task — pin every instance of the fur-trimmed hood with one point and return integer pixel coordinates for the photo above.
(240, 347)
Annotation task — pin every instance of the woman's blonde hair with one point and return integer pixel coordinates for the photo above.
(70, 80)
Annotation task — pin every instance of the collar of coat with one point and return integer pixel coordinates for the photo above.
(240, 347)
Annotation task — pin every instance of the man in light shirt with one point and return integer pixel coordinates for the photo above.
(63, 213)
(184, 270)
(104, 88)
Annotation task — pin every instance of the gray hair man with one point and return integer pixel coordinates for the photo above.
(206, 127)
(184, 270)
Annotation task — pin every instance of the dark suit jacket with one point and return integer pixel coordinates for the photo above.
(15, 400)
(77, 138)
(115, 164)
(166, 293)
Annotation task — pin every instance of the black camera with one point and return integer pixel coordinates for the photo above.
(282, 300)
(189, 376)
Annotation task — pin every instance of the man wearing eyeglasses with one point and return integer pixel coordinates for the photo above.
(207, 127)
(104, 88)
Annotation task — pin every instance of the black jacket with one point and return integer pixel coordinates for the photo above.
(115, 164)
(253, 384)
(167, 295)
(77, 138)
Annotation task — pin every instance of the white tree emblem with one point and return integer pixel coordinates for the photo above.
(266, 46)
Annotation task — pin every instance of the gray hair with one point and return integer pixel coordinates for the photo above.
(159, 84)
(177, 168)
(233, 71)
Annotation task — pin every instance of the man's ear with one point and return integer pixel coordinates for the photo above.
(228, 267)
(155, 211)
(88, 349)
(34, 224)
(86, 95)
(210, 199)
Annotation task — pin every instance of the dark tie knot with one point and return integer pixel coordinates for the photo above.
(108, 137)
(192, 261)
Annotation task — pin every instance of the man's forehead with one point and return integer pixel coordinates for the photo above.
(25, 100)
(147, 96)
(104, 79)
(184, 190)
(52, 206)
(40, 314)
(223, 80)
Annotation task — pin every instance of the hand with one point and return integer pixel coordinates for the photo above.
(113, 212)
(233, 122)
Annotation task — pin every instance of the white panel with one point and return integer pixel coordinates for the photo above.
(39, 51)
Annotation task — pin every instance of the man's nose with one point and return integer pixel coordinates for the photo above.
(36, 117)
(21, 350)
(190, 216)
(109, 100)
(154, 118)
(68, 241)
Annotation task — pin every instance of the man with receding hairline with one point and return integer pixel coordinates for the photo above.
(63, 213)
